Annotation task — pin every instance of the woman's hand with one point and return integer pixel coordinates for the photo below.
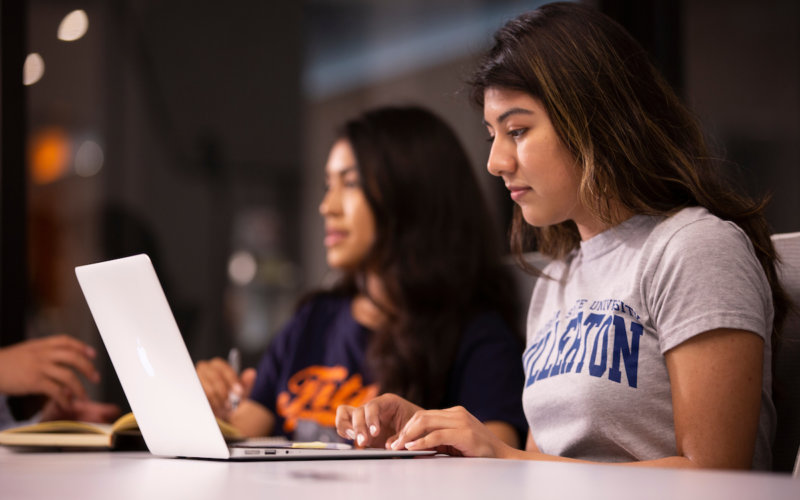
(50, 366)
(376, 423)
(219, 381)
(83, 410)
(453, 431)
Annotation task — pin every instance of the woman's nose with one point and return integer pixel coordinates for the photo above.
(500, 161)
(329, 203)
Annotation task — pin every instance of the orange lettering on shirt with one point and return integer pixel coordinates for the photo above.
(315, 392)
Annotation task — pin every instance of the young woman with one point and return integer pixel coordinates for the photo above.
(422, 307)
(649, 334)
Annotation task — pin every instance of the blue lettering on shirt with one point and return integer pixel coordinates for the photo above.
(611, 326)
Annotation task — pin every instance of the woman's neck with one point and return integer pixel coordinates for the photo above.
(371, 308)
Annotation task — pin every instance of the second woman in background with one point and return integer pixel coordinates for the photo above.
(423, 307)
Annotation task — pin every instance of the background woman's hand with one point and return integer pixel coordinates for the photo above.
(219, 380)
(376, 423)
(49, 366)
(453, 431)
(81, 409)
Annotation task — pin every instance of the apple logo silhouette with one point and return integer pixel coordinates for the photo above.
(144, 359)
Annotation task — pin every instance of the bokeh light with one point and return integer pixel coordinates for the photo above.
(242, 267)
(89, 159)
(73, 26)
(33, 69)
(50, 150)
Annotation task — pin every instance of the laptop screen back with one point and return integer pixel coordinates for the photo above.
(150, 358)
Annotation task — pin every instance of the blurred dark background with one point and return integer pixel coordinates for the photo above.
(196, 131)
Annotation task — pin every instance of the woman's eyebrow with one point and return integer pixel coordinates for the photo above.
(513, 111)
(504, 116)
(341, 173)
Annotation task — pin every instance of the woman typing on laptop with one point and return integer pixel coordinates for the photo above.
(649, 333)
(423, 307)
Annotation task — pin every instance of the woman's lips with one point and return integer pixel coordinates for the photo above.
(518, 192)
(333, 238)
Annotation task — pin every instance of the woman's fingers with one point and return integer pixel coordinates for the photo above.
(344, 422)
(359, 426)
(454, 431)
(372, 419)
(450, 441)
(376, 422)
(224, 371)
(212, 375)
(248, 379)
(72, 356)
(55, 392)
(66, 379)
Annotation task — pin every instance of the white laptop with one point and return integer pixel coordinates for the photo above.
(158, 376)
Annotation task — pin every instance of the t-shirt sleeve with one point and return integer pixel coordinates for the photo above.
(271, 366)
(707, 278)
(487, 375)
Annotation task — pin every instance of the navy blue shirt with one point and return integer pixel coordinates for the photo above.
(318, 361)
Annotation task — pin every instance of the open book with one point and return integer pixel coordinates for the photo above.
(124, 433)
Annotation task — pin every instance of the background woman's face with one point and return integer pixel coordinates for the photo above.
(349, 221)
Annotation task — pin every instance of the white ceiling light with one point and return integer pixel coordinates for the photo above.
(73, 26)
(33, 69)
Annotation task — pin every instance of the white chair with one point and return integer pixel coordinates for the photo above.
(786, 360)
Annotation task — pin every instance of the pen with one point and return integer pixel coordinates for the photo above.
(235, 360)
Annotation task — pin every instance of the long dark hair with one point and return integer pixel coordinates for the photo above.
(633, 140)
(436, 250)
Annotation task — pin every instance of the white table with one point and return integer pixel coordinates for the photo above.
(118, 475)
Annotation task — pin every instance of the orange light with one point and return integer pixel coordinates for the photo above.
(49, 154)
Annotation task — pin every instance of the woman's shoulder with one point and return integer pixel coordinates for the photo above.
(695, 221)
(695, 229)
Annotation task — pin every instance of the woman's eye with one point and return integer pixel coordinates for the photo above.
(517, 132)
(490, 139)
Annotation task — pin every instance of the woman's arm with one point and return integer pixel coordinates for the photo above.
(504, 431)
(715, 379)
(252, 419)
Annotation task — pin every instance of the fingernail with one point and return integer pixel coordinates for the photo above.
(360, 439)
(350, 433)
(396, 444)
(410, 445)
(373, 430)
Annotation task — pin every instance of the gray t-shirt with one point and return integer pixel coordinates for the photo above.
(597, 386)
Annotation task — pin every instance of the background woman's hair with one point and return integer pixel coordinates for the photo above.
(436, 249)
(632, 138)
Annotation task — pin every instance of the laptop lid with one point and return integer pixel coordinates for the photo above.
(150, 358)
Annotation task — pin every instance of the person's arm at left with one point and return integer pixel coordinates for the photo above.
(715, 380)
(51, 367)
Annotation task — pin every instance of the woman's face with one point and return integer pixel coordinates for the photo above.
(349, 221)
(535, 165)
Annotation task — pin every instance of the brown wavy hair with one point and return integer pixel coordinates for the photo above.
(634, 141)
(436, 250)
